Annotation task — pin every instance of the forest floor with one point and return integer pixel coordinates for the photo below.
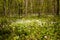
(45, 27)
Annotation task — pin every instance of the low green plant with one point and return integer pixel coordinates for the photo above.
(44, 28)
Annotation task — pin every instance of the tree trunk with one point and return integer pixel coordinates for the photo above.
(57, 7)
(19, 10)
(4, 8)
(26, 6)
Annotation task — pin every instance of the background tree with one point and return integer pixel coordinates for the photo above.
(57, 7)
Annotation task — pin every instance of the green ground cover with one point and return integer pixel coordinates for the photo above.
(46, 27)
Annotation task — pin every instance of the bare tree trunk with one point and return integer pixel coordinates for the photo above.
(19, 10)
(53, 3)
(9, 6)
(26, 6)
(23, 8)
(39, 12)
(4, 7)
(31, 2)
(57, 7)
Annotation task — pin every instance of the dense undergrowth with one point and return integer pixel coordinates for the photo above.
(30, 28)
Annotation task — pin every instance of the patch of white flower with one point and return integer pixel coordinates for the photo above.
(39, 22)
(45, 37)
(23, 21)
(28, 22)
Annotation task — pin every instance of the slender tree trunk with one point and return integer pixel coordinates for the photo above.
(19, 10)
(53, 3)
(31, 1)
(26, 6)
(4, 7)
(57, 7)
(39, 4)
(9, 6)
